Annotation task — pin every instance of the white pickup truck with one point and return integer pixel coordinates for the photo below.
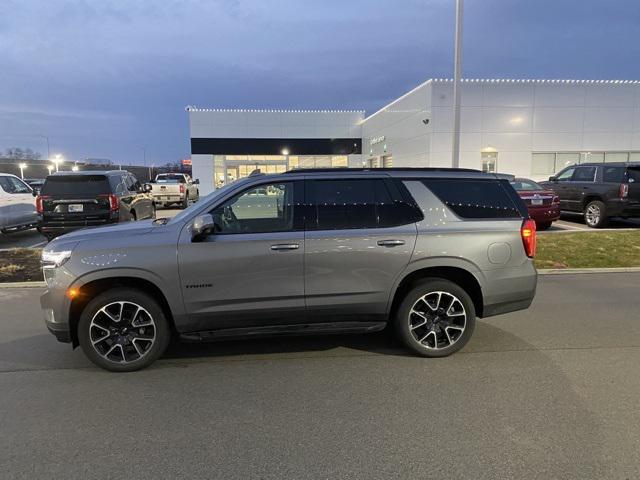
(169, 188)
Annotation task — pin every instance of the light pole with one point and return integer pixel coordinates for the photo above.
(75, 168)
(48, 149)
(50, 168)
(457, 72)
(58, 160)
(22, 167)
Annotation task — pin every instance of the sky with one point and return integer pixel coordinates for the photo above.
(111, 78)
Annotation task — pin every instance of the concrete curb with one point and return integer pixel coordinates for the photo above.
(575, 271)
(22, 284)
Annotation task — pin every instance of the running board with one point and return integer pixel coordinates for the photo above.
(277, 330)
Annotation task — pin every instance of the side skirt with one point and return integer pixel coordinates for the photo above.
(277, 330)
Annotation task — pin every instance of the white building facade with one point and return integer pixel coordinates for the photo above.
(529, 128)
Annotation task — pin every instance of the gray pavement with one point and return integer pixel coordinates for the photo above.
(551, 392)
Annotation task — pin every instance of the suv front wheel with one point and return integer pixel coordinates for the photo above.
(595, 214)
(436, 318)
(123, 330)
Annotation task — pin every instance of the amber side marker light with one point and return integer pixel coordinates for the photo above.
(528, 234)
(72, 293)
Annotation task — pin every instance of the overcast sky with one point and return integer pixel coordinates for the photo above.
(105, 78)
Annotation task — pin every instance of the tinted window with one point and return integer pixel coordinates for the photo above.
(262, 209)
(521, 184)
(343, 204)
(13, 185)
(584, 174)
(612, 174)
(76, 185)
(633, 174)
(474, 198)
(358, 203)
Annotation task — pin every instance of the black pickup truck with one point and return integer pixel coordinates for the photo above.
(598, 191)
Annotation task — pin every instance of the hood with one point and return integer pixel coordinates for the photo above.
(117, 230)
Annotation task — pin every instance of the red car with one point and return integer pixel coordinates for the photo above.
(543, 205)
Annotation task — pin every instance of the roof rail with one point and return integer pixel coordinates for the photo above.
(392, 169)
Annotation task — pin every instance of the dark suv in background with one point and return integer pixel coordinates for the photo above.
(72, 200)
(598, 191)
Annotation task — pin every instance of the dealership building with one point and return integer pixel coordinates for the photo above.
(529, 128)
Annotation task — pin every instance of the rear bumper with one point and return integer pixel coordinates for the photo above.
(55, 228)
(159, 198)
(545, 214)
(509, 289)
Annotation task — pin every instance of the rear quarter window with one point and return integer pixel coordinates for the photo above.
(476, 199)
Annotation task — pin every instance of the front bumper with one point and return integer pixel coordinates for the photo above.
(55, 305)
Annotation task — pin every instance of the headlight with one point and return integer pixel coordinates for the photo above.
(55, 259)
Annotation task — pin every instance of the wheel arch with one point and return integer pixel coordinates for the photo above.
(590, 198)
(459, 275)
(91, 288)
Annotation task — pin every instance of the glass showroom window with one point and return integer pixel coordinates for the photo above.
(543, 163)
(489, 162)
(616, 157)
(565, 159)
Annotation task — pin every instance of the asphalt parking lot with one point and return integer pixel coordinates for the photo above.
(32, 239)
(551, 392)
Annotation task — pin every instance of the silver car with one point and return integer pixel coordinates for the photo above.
(17, 204)
(304, 252)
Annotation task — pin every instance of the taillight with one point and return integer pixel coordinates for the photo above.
(528, 234)
(556, 200)
(40, 203)
(113, 202)
(624, 190)
(181, 188)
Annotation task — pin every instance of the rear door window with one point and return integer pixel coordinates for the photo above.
(343, 204)
(584, 174)
(76, 186)
(475, 198)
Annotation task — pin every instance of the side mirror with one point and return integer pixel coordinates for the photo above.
(34, 192)
(147, 188)
(201, 226)
(197, 181)
(552, 178)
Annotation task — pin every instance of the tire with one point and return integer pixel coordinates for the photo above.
(136, 343)
(543, 225)
(134, 216)
(450, 328)
(595, 214)
(185, 202)
(153, 212)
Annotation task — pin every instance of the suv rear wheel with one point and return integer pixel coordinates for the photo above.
(123, 330)
(595, 214)
(436, 318)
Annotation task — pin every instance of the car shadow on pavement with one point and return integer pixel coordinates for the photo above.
(485, 338)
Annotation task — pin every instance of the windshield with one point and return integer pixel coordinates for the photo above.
(206, 199)
(525, 185)
(169, 178)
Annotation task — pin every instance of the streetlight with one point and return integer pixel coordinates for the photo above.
(457, 71)
(75, 168)
(22, 167)
(57, 160)
(285, 152)
(50, 168)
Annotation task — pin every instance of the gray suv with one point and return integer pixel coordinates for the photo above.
(304, 252)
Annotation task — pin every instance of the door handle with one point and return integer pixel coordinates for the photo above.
(390, 243)
(285, 246)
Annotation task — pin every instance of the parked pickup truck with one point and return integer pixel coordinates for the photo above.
(170, 188)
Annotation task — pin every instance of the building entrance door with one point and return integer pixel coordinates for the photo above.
(236, 169)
